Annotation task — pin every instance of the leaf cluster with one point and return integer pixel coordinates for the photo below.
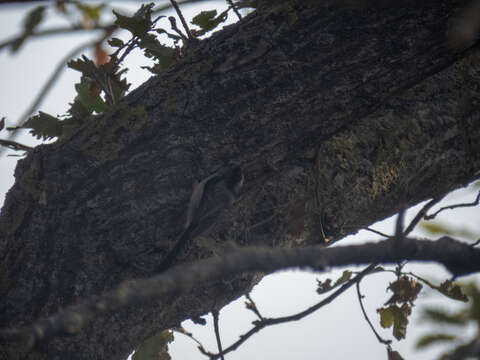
(144, 36)
(325, 286)
(405, 291)
(460, 320)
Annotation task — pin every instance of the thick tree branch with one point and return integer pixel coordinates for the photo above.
(329, 111)
(459, 258)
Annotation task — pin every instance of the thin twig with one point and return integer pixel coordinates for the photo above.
(129, 46)
(399, 225)
(56, 31)
(360, 296)
(217, 332)
(275, 321)
(77, 28)
(475, 243)
(421, 214)
(181, 330)
(474, 203)
(14, 145)
(230, 2)
(173, 25)
(182, 19)
(253, 307)
(376, 232)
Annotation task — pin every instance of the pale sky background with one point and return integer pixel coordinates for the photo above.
(338, 331)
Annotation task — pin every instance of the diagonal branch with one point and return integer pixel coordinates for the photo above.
(423, 212)
(56, 31)
(457, 257)
(266, 322)
(360, 297)
(451, 207)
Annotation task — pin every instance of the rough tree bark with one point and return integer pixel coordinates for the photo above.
(336, 113)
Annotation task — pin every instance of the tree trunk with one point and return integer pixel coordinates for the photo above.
(338, 116)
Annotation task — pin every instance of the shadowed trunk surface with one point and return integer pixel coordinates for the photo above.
(334, 113)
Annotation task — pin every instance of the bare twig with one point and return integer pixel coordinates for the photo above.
(77, 28)
(182, 19)
(230, 2)
(217, 332)
(360, 296)
(253, 307)
(399, 225)
(181, 330)
(376, 232)
(173, 25)
(14, 145)
(475, 243)
(56, 31)
(421, 214)
(265, 322)
(473, 203)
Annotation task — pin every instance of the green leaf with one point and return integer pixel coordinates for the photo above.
(404, 290)
(396, 316)
(44, 126)
(447, 288)
(91, 103)
(115, 42)
(155, 347)
(139, 24)
(324, 286)
(451, 290)
(438, 228)
(92, 12)
(435, 228)
(107, 76)
(154, 48)
(207, 20)
(164, 55)
(174, 37)
(440, 316)
(386, 317)
(428, 340)
(33, 19)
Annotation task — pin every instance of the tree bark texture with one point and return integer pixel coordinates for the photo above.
(339, 117)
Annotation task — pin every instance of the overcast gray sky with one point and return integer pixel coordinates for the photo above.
(337, 331)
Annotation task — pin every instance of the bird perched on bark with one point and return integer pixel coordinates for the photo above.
(209, 198)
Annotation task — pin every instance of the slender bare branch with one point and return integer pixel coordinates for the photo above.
(56, 31)
(181, 330)
(423, 211)
(399, 225)
(377, 232)
(360, 297)
(217, 332)
(232, 5)
(265, 322)
(253, 307)
(450, 207)
(182, 19)
(14, 145)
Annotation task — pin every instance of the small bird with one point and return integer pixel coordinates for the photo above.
(209, 198)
